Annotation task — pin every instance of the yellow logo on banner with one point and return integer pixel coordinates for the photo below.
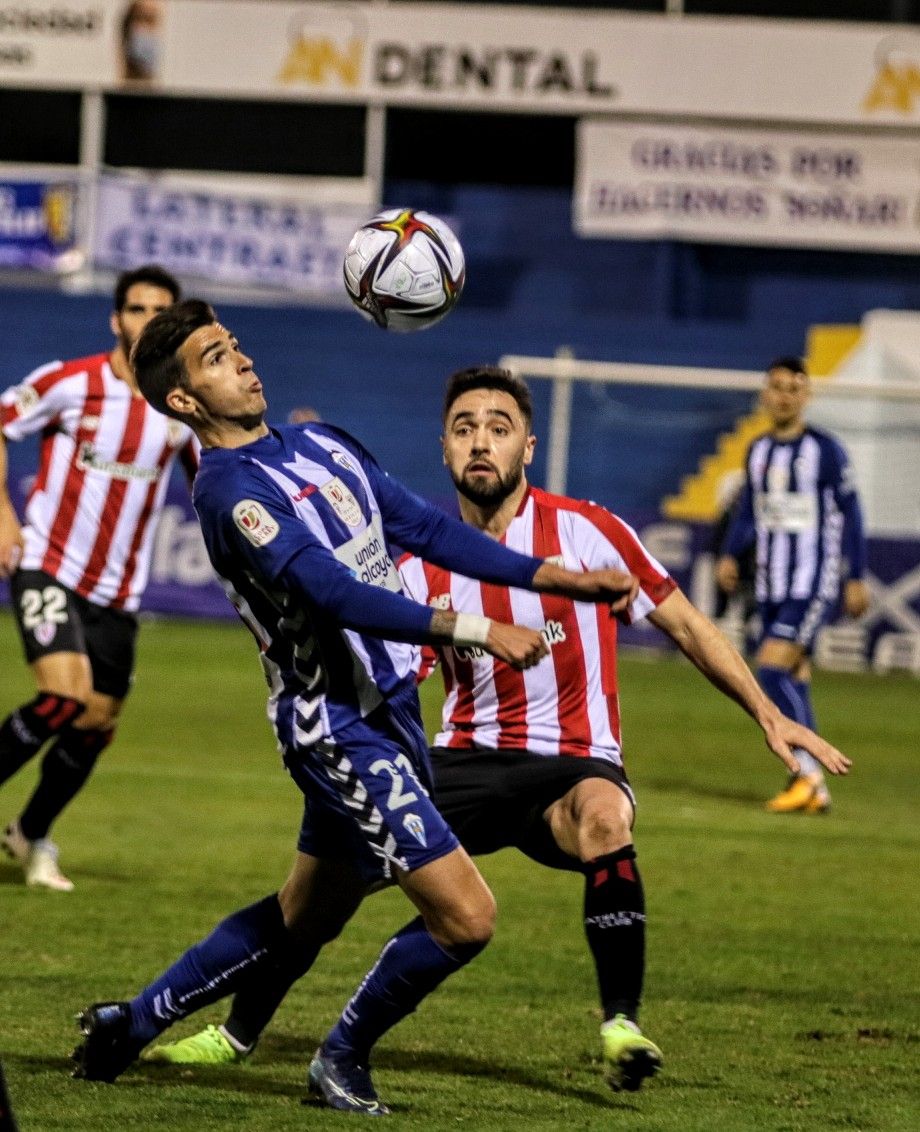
(58, 208)
(324, 52)
(897, 80)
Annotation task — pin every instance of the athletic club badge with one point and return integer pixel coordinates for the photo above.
(44, 632)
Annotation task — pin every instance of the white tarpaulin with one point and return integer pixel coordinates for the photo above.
(752, 186)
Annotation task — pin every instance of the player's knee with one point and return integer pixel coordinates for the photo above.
(603, 828)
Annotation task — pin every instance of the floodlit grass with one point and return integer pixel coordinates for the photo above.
(782, 968)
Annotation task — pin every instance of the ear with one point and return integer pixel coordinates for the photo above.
(529, 449)
(180, 401)
(114, 323)
(443, 450)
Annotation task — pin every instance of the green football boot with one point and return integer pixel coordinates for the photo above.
(208, 1047)
(629, 1056)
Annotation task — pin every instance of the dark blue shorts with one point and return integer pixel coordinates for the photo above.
(797, 620)
(366, 796)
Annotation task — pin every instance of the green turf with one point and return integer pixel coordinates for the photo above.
(782, 973)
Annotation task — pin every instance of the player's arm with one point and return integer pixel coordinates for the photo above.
(284, 551)
(724, 667)
(738, 540)
(429, 532)
(855, 590)
(11, 542)
(324, 583)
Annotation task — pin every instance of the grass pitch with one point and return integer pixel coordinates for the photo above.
(782, 967)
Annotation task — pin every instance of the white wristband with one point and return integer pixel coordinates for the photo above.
(471, 629)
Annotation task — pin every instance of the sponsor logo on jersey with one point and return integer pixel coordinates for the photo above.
(305, 492)
(255, 522)
(413, 824)
(440, 601)
(89, 460)
(367, 558)
(552, 632)
(26, 399)
(341, 500)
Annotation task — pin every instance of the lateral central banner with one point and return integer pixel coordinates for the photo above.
(752, 186)
(224, 236)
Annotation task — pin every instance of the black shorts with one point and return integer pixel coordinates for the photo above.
(52, 618)
(496, 799)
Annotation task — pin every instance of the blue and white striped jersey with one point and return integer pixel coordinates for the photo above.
(299, 526)
(800, 507)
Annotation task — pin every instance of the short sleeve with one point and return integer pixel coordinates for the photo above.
(34, 404)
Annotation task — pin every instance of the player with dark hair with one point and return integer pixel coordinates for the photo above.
(800, 512)
(298, 522)
(532, 760)
(79, 565)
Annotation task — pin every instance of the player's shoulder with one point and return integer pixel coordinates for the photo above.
(586, 509)
(77, 367)
(823, 438)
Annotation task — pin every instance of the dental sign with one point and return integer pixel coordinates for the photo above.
(465, 55)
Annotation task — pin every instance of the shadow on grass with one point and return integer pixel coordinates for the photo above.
(288, 1048)
(252, 1080)
(737, 795)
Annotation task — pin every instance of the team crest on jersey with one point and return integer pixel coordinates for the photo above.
(175, 432)
(343, 461)
(413, 824)
(44, 632)
(26, 399)
(341, 500)
(255, 522)
(440, 601)
(89, 423)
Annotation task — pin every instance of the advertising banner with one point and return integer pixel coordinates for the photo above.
(465, 55)
(223, 236)
(37, 225)
(752, 186)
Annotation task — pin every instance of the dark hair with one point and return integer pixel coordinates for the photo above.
(155, 357)
(150, 273)
(791, 362)
(488, 377)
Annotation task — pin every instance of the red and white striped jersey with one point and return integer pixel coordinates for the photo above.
(104, 466)
(568, 704)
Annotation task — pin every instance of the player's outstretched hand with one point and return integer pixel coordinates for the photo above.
(783, 734)
(11, 542)
(517, 646)
(615, 588)
(727, 574)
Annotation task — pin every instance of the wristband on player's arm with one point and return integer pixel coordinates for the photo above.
(471, 629)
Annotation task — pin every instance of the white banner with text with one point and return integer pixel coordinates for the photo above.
(731, 185)
(538, 60)
(223, 236)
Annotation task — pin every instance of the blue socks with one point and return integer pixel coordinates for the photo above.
(410, 966)
(210, 970)
(793, 698)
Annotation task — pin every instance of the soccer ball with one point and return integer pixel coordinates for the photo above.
(404, 269)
